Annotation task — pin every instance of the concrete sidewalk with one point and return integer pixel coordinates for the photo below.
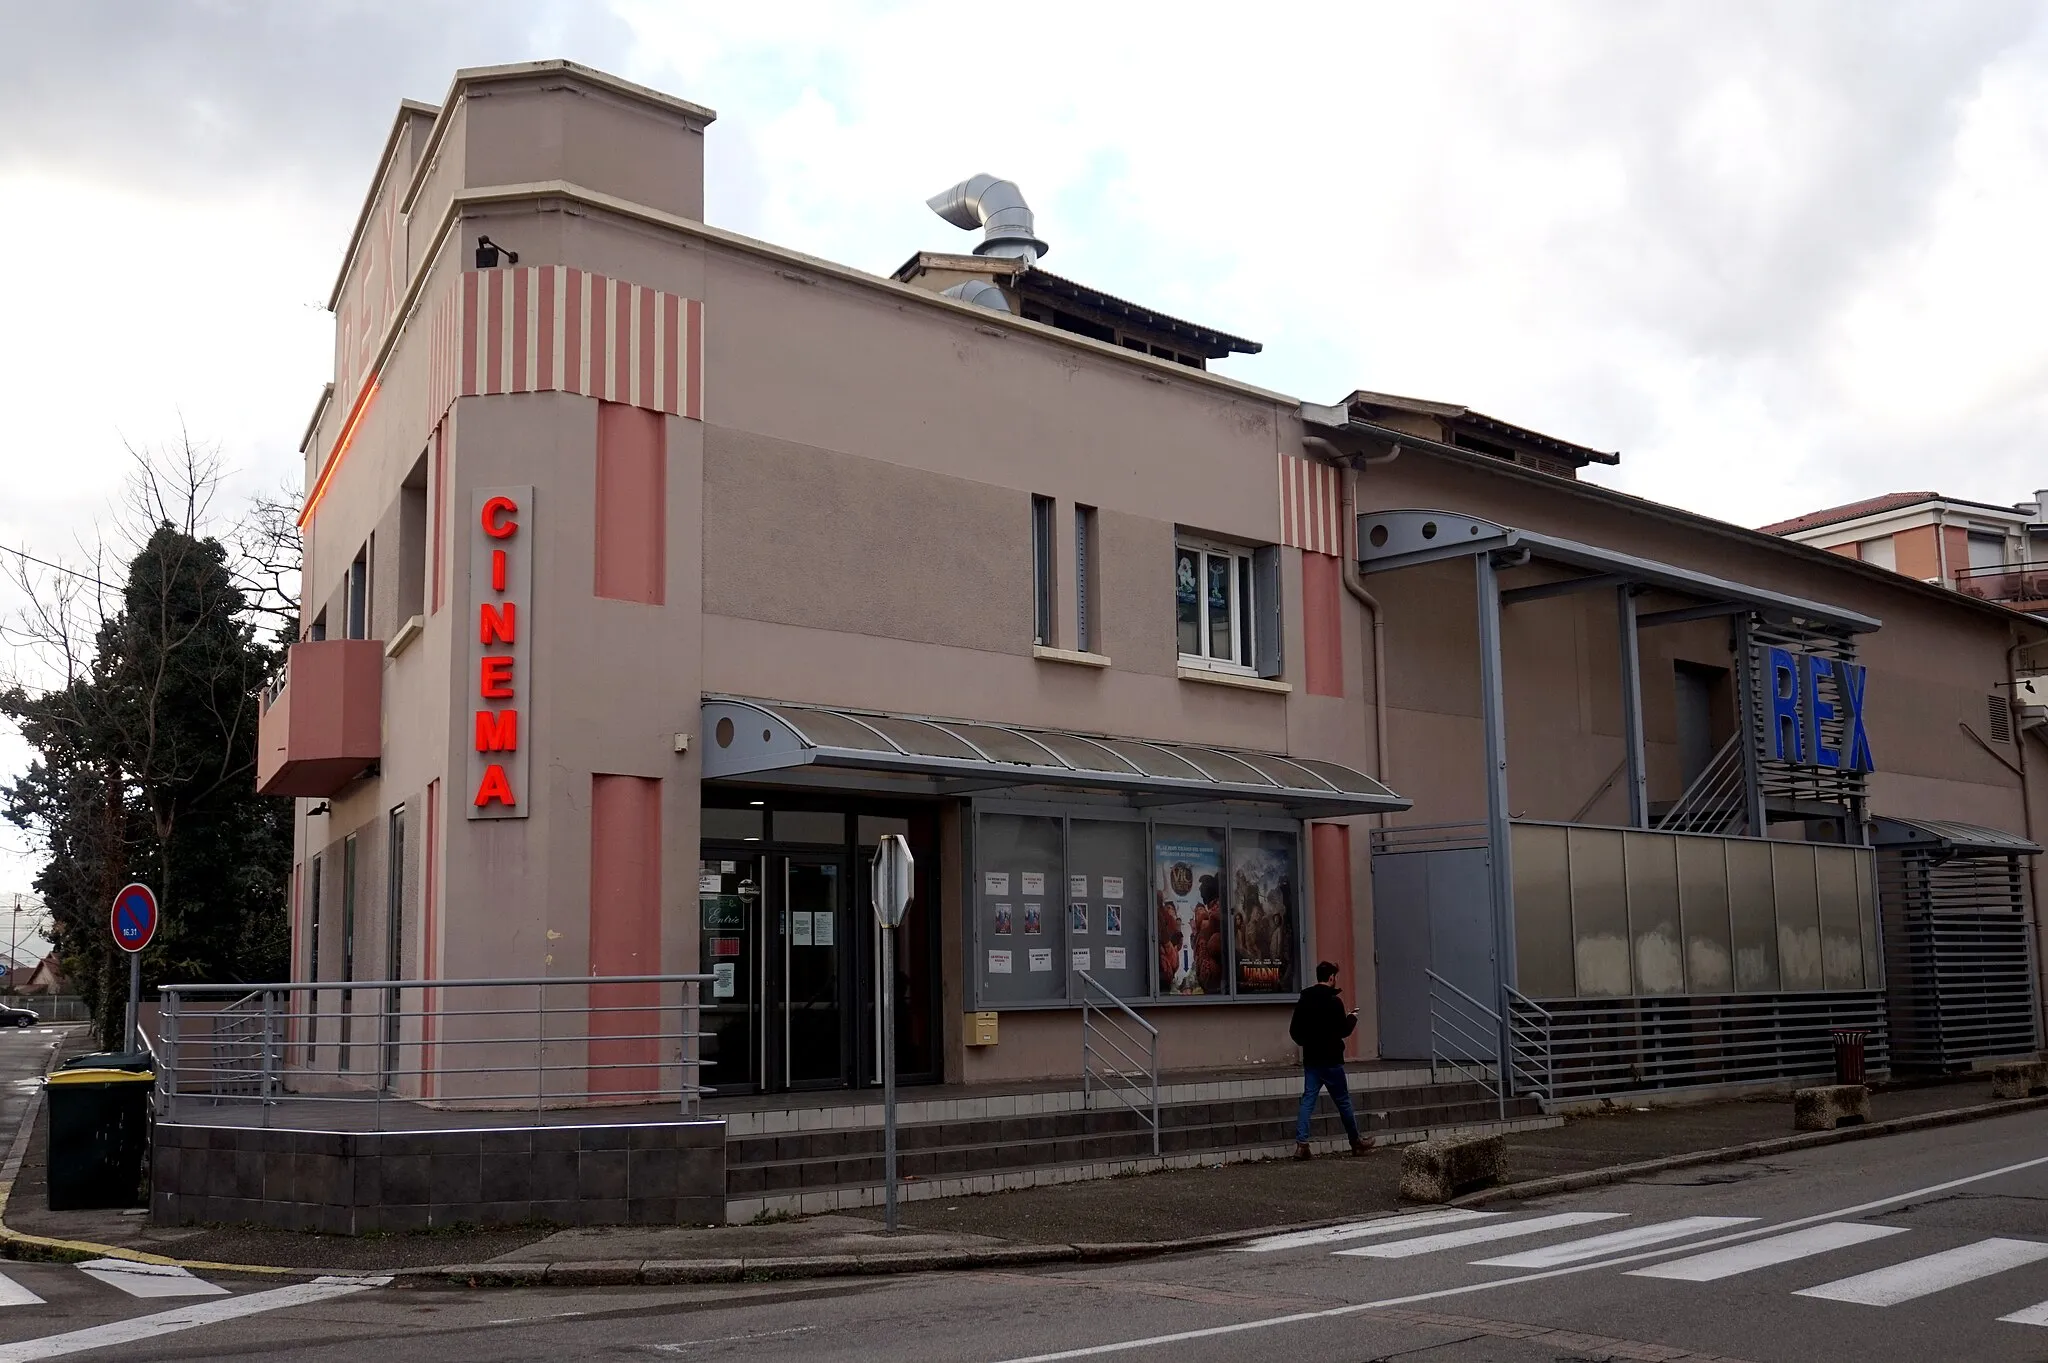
(1152, 1213)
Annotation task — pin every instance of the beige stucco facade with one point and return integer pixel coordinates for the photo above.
(839, 512)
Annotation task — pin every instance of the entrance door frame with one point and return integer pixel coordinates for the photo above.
(857, 959)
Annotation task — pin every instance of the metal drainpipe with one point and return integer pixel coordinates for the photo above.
(1348, 570)
(1941, 547)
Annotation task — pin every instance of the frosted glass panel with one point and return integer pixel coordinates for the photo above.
(1599, 914)
(1652, 871)
(1703, 910)
(1543, 912)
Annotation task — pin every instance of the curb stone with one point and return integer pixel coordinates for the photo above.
(1731, 1154)
(671, 1272)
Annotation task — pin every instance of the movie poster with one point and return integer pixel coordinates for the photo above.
(1188, 869)
(1262, 881)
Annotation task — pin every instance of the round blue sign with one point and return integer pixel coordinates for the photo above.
(134, 917)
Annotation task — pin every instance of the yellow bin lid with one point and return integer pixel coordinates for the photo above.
(102, 1077)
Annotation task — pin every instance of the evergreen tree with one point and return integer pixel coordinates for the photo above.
(145, 769)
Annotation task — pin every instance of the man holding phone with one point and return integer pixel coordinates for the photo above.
(1320, 1027)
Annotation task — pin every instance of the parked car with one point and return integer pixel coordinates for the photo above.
(10, 1016)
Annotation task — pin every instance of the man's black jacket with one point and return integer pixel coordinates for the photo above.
(1320, 1026)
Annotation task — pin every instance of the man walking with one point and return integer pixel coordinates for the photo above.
(1320, 1026)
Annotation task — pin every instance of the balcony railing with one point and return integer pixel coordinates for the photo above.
(2006, 581)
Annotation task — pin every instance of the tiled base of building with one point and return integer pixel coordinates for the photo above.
(742, 1209)
(349, 1183)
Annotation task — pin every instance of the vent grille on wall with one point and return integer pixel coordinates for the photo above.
(1999, 715)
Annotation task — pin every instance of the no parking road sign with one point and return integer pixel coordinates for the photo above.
(134, 917)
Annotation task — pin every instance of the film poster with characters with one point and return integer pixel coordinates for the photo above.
(1262, 909)
(1188, 869)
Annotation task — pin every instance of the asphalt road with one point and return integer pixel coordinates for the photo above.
(1908, 1248)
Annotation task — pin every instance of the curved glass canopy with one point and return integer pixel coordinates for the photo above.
(785, 743)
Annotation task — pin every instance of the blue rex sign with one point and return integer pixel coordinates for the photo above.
(1811, 697)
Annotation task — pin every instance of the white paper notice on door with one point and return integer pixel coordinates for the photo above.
(723, 974)
(823, 932)
(1077, 887)
(1083, 958)
(708, 882)
(1034, 882)
(1041, 958)
(999, 963)
(800, 929)
(995, 882)
(1112, 887)
(1112, 958)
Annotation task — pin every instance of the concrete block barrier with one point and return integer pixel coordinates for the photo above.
(1437, 1171)
(2019, 1079)
(1830, 1105)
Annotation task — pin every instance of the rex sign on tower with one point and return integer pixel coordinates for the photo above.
(500, 679)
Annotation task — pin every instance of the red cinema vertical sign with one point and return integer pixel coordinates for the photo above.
(500, 681)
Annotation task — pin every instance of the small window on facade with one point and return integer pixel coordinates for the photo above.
(1986, 551)
(319, 628)
(1084, 579)
(1213, 607)
(1041, 570)
(358, 603)
(1880, 552)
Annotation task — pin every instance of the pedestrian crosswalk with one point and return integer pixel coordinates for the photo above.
(128, 1276)
(1705, 1249)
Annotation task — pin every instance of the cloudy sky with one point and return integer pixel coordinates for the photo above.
(1778, 254)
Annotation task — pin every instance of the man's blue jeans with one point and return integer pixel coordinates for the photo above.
(1314, 1079)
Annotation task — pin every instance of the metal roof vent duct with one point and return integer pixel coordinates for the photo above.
(981, 293)
(998, 208)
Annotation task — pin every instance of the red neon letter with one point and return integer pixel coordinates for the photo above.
(499, 625)
(497, 570)
(494, 788)
(497, 731)
(497, 677)
(496, 512)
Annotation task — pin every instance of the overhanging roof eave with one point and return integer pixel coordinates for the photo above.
(1458, 536)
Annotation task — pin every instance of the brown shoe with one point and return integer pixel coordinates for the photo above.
(1301, 1150)
(1361, 1147)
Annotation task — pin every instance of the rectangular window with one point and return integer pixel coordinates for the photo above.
(314, 883)
(348, 938)
(358, 606)
(319, 628)
(1880, 551)
(1986, 551)
(437, 512)
(1084, 580)
(1041, 570)
(412, 544)
(1215, 606)
(394, 935)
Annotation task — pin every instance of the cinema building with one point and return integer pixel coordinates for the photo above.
(653, 573)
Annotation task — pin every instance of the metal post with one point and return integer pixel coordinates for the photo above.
(889, 1076)
(1748, 699)
(1632, 710)
(269, 1069)
(1494, 725)
(134, 1041)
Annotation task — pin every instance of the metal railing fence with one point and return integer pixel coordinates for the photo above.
(1717, 799)
(1107, 1037)
(1464, 1038)
(1565, 1050)
(238, 1052)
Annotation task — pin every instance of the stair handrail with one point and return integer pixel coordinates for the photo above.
(1456, 1019)
(1515, 1006)
(1720, 780)
(1101, 1026)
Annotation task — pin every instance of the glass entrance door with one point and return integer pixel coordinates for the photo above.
(815, 951)
(774, 941)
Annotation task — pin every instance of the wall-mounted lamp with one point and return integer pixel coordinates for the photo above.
(487, 252)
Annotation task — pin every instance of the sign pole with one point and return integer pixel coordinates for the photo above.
(893, 888)
(133, 919)
(889, 1075)
(129, 1044)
